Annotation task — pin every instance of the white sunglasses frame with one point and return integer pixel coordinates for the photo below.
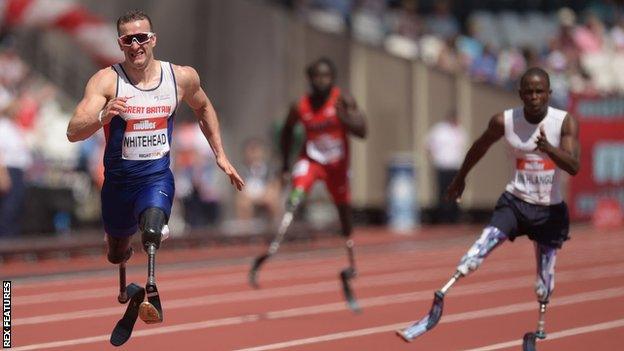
(150, 35)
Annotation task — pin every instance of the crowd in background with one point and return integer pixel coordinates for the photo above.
(581, 47)
(48, 185)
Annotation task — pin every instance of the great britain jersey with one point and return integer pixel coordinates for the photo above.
(138, 140)
(326, 137)
(536, 178)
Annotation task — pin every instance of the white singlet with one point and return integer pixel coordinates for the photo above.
(536, 179)
(147, 116)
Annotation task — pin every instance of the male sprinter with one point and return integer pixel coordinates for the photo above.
(135, 102)
(542, 142)
(328, 116)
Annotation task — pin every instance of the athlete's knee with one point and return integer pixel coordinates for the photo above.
(295, 199)
(490, 238)
(346, 220)
(119, 249)
(152, 222)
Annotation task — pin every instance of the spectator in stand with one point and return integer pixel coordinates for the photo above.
(197, 179)
(263, 188)
(446, 146)
(483, 68)
(15, 159)
(442, 22)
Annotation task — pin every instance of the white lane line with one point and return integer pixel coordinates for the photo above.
(226, 279)
(377, 301)
(297, 258)
(490, 312)
(272, 275)
(496, 311)
(557, 335)
(322, 287)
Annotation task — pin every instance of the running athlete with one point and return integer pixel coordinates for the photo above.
(135, 102)
(543, 142)
(328, 116)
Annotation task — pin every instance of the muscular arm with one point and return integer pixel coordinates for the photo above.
(198, 101)
(351, 117)
(286, 136)
(567, 155)
(494, 131)
(84, 121)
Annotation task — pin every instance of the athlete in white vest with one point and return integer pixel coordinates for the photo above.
(542, 142)
(135, 102)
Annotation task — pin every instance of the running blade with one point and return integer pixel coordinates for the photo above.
(427, 323)
(255, 267)
(123, 330)
(345, 278)
(151, 311)
(528, 342)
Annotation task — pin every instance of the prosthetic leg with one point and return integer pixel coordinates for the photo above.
(546, 257)
(119, 252)
(490, 238)
(152, 223)
(345, 278)
(295, 198)
(349, 273)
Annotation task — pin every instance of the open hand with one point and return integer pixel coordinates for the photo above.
(227, 167)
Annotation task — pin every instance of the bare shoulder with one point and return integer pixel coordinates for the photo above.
(103, 82)
(186, 75)
(496, 127)
(497, 121)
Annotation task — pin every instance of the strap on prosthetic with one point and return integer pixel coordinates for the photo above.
(490, 238)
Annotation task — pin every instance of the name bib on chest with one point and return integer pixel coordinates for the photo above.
(536, 175)
(326, 149)
(145, 139)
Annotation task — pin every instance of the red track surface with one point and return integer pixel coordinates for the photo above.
(208, 305)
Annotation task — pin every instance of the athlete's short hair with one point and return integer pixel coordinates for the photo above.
(133, 15)
(535, 71)
(323, 60)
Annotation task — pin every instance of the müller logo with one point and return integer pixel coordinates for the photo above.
(144, 125)
(6, 314)
(534, 165)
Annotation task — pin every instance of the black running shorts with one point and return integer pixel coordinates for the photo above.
(548, 225)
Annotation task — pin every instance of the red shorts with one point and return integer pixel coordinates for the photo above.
(306, 172)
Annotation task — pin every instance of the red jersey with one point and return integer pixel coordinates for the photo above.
(326, 137)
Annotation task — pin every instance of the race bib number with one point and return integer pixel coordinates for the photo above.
(326, 149)
(145, 139)
(536, 175)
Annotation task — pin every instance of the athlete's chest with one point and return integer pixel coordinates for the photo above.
(324, 119)
(522, 135)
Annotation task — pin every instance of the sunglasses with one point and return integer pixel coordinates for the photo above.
(139, 38)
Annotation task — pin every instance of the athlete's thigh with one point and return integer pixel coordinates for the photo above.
(305, 173)
(337, 182)
(505, 218)
(118, 209)
(550, 225)
(158, 193)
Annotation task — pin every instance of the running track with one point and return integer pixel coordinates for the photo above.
(208, 305)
